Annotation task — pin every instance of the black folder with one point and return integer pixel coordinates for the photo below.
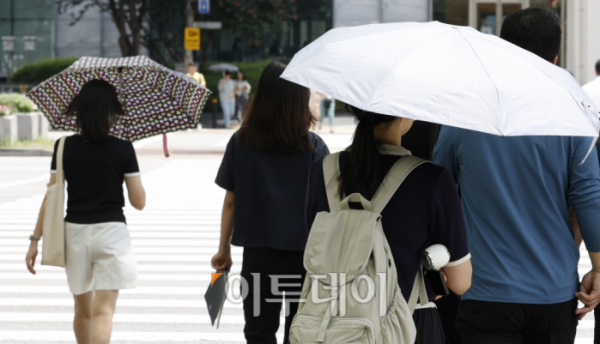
(215, 297)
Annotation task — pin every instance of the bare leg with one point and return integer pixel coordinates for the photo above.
(83, 317)
(103, 310)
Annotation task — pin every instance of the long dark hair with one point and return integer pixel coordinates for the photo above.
(96, 109)
(278, 117)
(362, 173)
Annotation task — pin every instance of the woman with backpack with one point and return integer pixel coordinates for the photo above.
(424, 210)
(99, 256)
(265, 175)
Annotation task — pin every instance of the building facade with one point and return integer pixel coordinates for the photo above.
(580, 21)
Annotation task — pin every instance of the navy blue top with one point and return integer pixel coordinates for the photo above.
(516, 193)
(425, 210)
(269, 194)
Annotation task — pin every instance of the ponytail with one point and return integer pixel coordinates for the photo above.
(361, 173)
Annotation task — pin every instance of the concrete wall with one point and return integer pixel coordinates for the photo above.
(362, 12)
(94, 35)
(8, 129)
(583, 38)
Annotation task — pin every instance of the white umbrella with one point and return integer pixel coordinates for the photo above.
(445, 74)
(223, 67)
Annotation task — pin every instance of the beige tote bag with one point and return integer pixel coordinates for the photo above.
(53, 233)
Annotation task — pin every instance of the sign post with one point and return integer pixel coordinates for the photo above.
(204, 6)
(29, 46)
(192, 38)
(8, 46)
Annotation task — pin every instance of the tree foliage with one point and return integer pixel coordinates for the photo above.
(158, 24)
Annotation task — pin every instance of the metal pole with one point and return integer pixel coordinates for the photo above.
(381, 11)
(563, 29)
(12, 17)
(189, 14)
(499, 16)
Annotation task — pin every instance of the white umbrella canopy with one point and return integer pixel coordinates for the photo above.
(445, 74)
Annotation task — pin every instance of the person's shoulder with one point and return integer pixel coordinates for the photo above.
(119, 143)
(316, 139)
(429, 172)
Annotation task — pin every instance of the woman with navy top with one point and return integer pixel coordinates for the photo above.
(425, 210)
(265, 174)
(99, 257)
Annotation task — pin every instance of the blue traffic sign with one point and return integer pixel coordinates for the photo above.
(204, 6)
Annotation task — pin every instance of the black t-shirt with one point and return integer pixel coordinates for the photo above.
(425, 210)
(269, 191)
(94, 173)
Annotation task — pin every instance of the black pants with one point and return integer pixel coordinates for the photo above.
(262, 306)
(447, 307)
(597, 326)
(482, 322)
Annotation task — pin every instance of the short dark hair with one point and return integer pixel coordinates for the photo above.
(598, 66)
(534, 29)
(278, 117)
(96, 109)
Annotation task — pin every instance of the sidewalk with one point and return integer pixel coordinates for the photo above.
(203, 141)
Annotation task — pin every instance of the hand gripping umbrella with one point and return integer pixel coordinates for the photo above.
(156, 99)
(446, 74)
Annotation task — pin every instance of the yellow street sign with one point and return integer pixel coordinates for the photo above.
(192, 38)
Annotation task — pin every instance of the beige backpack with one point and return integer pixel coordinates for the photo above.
(351, 292)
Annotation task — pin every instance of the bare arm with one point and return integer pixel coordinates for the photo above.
(37, 232)
(222, 260)
(137, 194)
(459, 277)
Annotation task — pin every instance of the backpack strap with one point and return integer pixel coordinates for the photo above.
(331, 172)
(401, 169)
(419, 292)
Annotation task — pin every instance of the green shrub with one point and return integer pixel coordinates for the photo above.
(16, 101)
(41, 70)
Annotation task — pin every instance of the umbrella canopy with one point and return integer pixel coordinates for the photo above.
(445, 74)
(223, 67)
(156, 99)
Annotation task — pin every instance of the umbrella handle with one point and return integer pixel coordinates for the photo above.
(165, 149)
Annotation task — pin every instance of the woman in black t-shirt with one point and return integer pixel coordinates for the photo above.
(265, 173)
(100, 259)
(425, 210)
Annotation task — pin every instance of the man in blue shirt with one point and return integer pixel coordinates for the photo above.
(516, 195)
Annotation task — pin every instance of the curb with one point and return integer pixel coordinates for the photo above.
(24, 152)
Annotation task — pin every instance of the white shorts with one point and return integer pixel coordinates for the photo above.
(99, 257)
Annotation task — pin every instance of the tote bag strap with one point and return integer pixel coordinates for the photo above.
(59, 160)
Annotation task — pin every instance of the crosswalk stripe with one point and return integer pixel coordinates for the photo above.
(200, 304)
(142, 268)
(158, 337)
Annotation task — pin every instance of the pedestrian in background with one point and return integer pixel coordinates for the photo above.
(100, 259)
(517, 193)
(592, 88)
(314, 104)
(193, 73)
(242, 94)
(227, 98)
(424, 210)
(327, 109)
(265, 173)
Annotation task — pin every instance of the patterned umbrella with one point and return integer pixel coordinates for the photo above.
(156, 99)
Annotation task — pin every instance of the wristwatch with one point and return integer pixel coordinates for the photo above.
(31, 237)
